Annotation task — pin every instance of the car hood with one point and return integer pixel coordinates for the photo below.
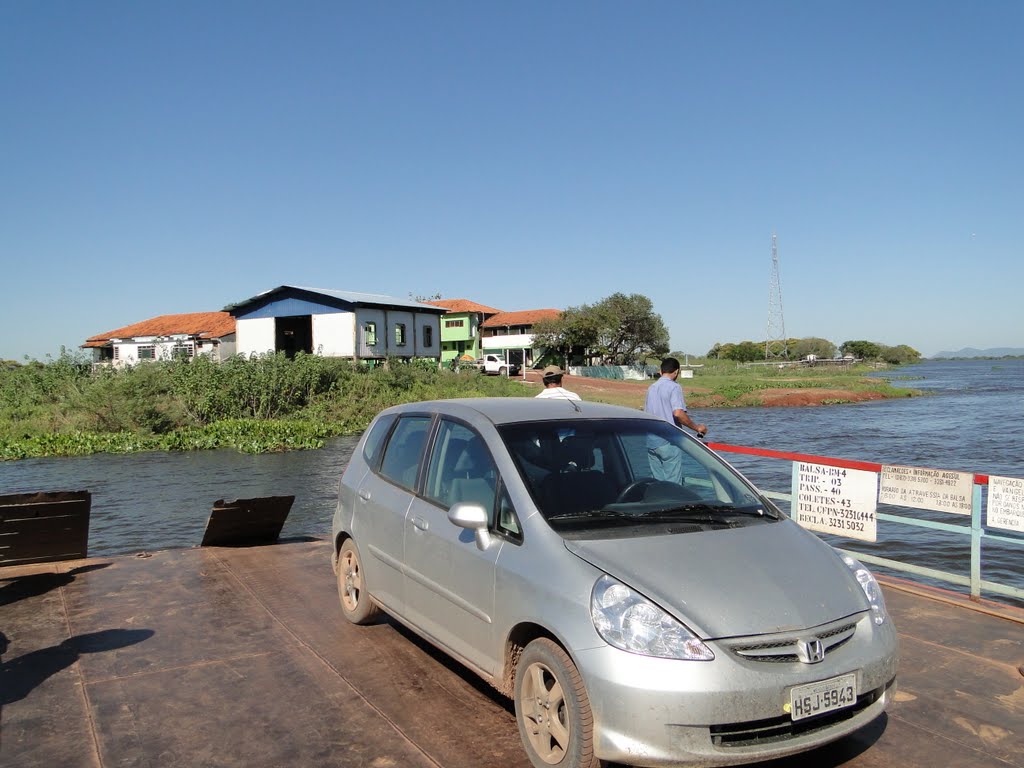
(734, 582)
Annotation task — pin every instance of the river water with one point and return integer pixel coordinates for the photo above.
(973, 422)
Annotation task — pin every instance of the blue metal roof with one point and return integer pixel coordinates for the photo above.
(315, 300)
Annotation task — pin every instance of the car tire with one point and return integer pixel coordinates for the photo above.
(553, 711)
(356, 604)
(503, 371)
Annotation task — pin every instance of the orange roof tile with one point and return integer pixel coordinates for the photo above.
(523, 317)
(205, 325)
(462, 305)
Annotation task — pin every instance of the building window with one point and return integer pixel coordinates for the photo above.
(428, 336)
(399, 334)
(180, 350)
(454, 323)
(146, 353)
(117, 352)
(370, 334)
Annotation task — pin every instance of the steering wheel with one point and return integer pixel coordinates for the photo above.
(635, 490)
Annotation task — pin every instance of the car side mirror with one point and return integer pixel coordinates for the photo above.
(472, 517)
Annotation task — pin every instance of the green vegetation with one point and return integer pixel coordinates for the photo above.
(721, 383)
(67, 408)
(618, 330)
(800, 349)
(727, 384)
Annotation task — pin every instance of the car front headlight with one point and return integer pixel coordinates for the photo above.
(633, 623)
(870, 586)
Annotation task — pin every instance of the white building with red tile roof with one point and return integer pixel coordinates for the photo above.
(511, 335)
(166, 337)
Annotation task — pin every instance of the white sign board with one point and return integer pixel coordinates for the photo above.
(920, 488)
(1006, 503)
(836, 500)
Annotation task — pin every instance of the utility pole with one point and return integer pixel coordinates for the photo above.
(775, 347)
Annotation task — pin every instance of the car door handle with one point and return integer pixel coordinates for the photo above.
(420, 523)
(364, 494)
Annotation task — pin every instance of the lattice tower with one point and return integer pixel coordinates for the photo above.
(775, 347)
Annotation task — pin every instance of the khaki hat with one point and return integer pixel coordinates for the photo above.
(553, 370)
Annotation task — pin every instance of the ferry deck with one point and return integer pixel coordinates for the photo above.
(240, 657)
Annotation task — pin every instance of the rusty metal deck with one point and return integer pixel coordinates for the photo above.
(240, 657)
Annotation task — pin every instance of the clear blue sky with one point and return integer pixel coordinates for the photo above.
(165, 157)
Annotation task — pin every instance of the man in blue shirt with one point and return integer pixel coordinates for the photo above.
(665, 400)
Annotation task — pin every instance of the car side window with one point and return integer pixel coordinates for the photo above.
(461, 468)
(508, 523)
(375, 439)
(401, 462)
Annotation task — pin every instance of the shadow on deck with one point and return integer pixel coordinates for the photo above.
(240, 657)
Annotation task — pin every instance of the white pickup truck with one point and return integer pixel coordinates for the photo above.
(495, 365)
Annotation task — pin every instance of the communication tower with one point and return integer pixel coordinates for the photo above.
(775, 347)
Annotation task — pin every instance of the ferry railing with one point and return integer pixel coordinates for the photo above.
(976, 532)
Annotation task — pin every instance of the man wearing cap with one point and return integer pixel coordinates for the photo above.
(552, 378)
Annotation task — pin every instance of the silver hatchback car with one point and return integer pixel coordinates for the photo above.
(639, 600)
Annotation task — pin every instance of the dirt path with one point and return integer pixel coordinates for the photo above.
(632, 393)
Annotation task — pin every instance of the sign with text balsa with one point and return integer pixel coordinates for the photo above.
(939, 490)
(836, 500)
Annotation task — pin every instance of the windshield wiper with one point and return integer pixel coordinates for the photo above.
(590, 513)
(703, 512)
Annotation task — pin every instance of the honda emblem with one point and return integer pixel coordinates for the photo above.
(810, 651)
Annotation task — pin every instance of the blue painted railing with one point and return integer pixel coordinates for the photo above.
(976, 533)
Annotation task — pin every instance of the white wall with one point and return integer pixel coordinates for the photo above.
(254, 336)
(512, 341)
(334, 334)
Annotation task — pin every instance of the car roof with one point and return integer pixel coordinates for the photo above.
(505, 410)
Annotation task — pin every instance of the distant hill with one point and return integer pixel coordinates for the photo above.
(993, 352)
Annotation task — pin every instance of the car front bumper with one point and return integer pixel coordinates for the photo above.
(653, 712)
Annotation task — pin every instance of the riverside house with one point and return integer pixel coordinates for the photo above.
(511, 334)
(166, 337)
(357, 326)
(460, 327)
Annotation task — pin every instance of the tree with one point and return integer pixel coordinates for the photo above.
(865, 350)
(417, 297)
(820, 348)
(747, 352)
(900, 354)
(571, 331)
(618, 330)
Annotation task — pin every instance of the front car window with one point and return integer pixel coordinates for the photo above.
(461, 468)
(635, 475)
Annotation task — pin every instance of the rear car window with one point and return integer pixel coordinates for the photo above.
(375, 439)
(401, 462)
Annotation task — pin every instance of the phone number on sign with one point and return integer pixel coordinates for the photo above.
(853, 514)
(846, 525)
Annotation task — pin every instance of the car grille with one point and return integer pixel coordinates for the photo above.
(782, 649)
(783, 728)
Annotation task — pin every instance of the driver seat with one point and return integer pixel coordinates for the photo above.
(576, 486)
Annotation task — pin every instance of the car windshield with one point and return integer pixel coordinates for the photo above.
(637, 474)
